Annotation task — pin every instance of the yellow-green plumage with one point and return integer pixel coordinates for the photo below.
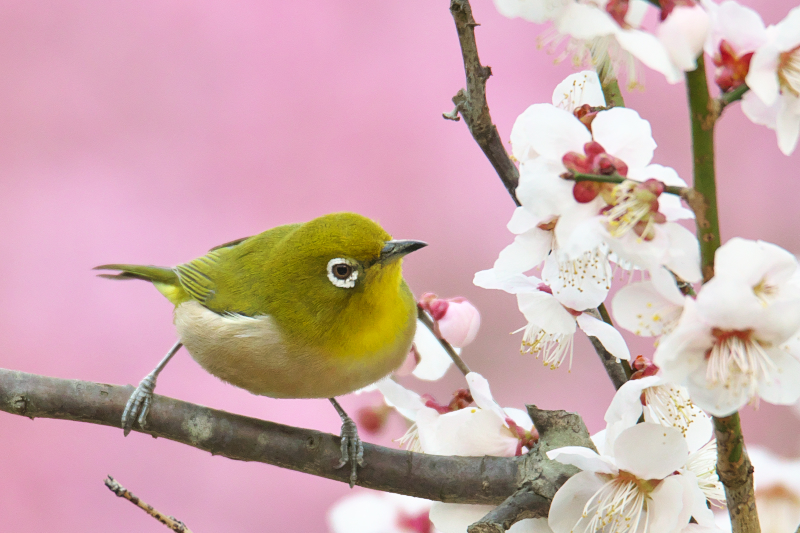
(263, 314)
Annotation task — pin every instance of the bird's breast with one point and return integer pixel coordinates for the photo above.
(254, 354)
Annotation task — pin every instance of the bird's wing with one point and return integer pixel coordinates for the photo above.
(228, 279)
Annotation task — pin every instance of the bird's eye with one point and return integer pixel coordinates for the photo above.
(342, 272)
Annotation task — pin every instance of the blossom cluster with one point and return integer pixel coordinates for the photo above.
(595, 211)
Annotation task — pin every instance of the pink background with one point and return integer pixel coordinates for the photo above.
(149, 131)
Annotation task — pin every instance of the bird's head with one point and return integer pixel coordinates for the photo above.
(340, 261)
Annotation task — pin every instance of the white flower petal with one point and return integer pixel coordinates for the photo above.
(434, 360)
(683, 35)
(666, 506)
(585, 21)
(787, 126)
(650, 451)
(762, 77)
(784, 389)
(754, 261)
(758, 112)
(584, 458)
(608, 335)
(545, 130)
(649, 50)
(510, 282)
(683, 255)
(579, 89)
(624, 134)
(528, 250)
(566, 510)
(544, 311)
(641, 309)
(407, 402)
(481, 393)
(521, 221)
(363, 513)
(456, 517)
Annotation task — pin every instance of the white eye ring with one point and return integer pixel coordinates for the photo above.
(350, 281)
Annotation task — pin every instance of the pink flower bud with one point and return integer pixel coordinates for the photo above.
(460, 323)
(373, 419)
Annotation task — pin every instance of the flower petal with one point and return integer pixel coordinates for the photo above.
(544, 311)
(650, 451)
(566, 510)
(545, 130)
(479, 388)
(584, 458)
(624, 134)
(650, 51)
(784, 388)
(581, 88)
(665, 506)
(641, 309)
(434, 360)
(407, 402)
(608, 335)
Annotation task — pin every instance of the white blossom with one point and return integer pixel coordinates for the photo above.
(732, 344)
(638, 485)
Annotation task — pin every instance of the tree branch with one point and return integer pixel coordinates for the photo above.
(736, 474)
(171, 522)
(485, 480)
(471, 102)
(425, 319)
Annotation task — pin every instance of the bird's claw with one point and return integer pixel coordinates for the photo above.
(139, 404)
(352, 449)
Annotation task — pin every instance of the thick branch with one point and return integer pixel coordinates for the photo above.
(471, 102)
(736, 474)
(487, 480)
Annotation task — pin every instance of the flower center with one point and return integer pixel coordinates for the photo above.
(635, 207)
(590, 268)
(732, 68)
(789, 71)
(671, 405)
(619, 506)
(553, 347)
(738, 360)
(764, 291)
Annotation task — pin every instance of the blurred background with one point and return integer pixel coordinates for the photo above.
(149, 131)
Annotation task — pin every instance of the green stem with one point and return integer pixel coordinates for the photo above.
(703, 116)
(612, 92)
(616, 178)
(733, 465)
(732, 96)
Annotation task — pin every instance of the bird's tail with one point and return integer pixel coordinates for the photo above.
(146, 273)
(165, 279)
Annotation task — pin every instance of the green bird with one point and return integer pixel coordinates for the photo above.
(311, 310)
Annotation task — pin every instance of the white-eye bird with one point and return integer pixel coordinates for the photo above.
(311, 310)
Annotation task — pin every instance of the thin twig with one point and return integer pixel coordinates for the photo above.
(425, 319)
(617, 178)
(172, 523)
(471, 102)
(726, 99)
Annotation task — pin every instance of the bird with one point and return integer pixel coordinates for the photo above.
(306, 310)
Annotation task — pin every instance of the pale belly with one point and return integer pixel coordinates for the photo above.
(250, 353)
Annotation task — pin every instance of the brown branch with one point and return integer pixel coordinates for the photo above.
(524, 503)
(169, 521)
(484, 480)
(425, 319)
(736, 474)
(471, 102)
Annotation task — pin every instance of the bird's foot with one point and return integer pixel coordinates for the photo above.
(352, 449)
(139, 404)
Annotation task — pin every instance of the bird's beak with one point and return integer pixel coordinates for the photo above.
(397, 249)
